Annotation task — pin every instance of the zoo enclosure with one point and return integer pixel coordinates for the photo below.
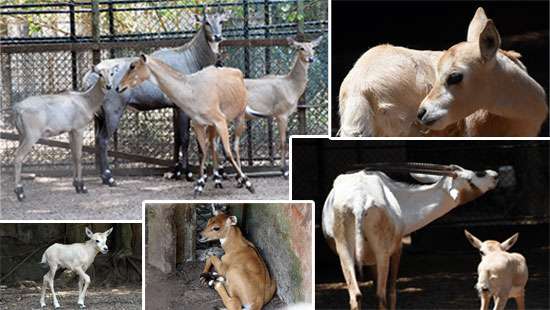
(47, 48)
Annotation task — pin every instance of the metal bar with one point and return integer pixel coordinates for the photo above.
(96, 58)
(111, 17)
(89, 149)
(6, 81)
(247, 74)
(267, 15)
(74, 64)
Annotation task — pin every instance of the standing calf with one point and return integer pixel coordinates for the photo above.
(241, 277)
(76, 257)
(501, 275)
(51, 115)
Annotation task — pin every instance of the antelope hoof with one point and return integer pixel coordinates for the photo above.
(19, 193)
(42, 304)
(239, 182)
(221, 171)
(285, 174)
(206, 277)
(107, 178)
(249, 187)
(189, 176)
(218, 184)
(56, 306)
(82, 306)
(197, 191)
(79, 187)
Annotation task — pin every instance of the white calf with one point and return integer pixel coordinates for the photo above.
(76, 257)
(501, 275)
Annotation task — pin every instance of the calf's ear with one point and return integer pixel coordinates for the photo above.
(89, 233)
(473, 240)
(506, 245)
(108, 232)
(232, 220)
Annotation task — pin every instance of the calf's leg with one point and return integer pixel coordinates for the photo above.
(25, 146)
(86, 278)
(200, 133)
(76, 137)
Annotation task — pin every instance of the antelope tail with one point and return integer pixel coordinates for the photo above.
(359, 241)
(44, 262)
(356, 117)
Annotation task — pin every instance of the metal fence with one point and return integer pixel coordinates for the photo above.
(53, 56)
(521, 196)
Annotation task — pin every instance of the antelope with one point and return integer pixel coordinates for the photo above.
(277, 95)
(472, 89)
(366, 216)
(211, 98)
(241, 278)
(501, 275)
(52, 115)
(77, 257)
(201, 51)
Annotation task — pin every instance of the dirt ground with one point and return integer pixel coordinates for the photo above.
(121, 298)
(182, 290)
(439, 281)
(56, 199)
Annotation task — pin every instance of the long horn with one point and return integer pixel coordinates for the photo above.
(427, 168)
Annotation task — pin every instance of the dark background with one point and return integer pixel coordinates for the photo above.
(430, 25)
(438, 269)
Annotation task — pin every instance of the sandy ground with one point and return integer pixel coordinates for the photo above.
(435, 282)
(55, 198)
(121, 298)
(182, 290)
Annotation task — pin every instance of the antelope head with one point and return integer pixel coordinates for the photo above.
(137, 73)
(217, 227)
(99, 239)
(463, 77)
(213, 27)
(468, 185)
(305, 50)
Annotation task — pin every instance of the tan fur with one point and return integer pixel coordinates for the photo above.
(211, 97)
(389, 86)
(501, 275)
(247, 279)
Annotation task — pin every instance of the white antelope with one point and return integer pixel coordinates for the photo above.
(277, 95)
(500, 275)
(51, 115)
(77, 257)
(367, 214)
(471, 89)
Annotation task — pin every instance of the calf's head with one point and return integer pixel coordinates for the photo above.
(490, 246)
(99, 239)
(463, 77)
(217, 227)
(305, 49)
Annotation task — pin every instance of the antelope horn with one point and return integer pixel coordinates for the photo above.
(436, 169)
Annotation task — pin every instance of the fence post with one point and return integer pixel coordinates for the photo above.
(96, 58)
(74, 63)
(111, 27)
(6, 81)
(302, 120)
(247, 75)
(267, 22)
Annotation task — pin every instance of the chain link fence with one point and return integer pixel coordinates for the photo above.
(49, 47)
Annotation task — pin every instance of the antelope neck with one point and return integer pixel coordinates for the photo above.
(233, 239)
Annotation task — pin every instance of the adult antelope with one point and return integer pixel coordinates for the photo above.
(500, 275)
(200, 52)
(367, 214)
(471, 89)
(77, 257)
(277, 95)
(241, 276)
(211, 97)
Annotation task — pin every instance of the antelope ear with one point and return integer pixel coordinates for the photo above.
(317, 41)
(489, 41)
(226, 15)
(291, 41)
(143, 57)
(506, 245)
(232, 220)
(473, 240)
(476, 26)
(215, 211)
(108, 232)
(89, 233)
(198, 19)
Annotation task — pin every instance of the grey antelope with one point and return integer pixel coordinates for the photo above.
(77, 257)
(472, 89)
(500, 275)
(211, 97)
(51, 115)
(366, 216)
(277, 95)
(241, 277)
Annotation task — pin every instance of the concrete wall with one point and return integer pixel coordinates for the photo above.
(282, 232)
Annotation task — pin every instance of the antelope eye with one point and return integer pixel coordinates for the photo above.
(480, 174)
(216, 228)
(132, 66)
(454, 78)
(97, 241)
(481, 253)
(302, 49)
(207, 23)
